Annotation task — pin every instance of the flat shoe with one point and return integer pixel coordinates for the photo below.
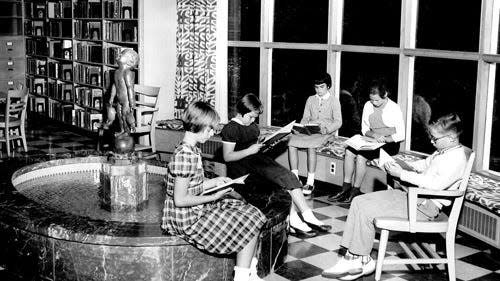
(307, 189)
(355, 192)
(337, 196)
(321, 228)
(301, 233)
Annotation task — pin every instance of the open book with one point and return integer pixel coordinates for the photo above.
(385, 158)
(307, 129)
(240, 180)
(273, 138)
(360, 142)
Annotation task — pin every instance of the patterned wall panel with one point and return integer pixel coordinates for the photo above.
(195, 72)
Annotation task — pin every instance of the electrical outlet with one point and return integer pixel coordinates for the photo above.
(332, 168)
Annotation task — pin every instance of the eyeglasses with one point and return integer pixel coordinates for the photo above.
(434, 139)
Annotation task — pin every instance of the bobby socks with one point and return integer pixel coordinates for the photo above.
(310, 218)
(296, 173)
(296, 222)
(310, 179)
(241, 273)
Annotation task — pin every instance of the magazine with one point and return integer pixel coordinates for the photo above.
(307, 129)
(240, 180)
(270, 140)
(385, 158)
(360, 142)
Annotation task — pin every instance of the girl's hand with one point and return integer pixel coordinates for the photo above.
(220, 180)
(221, 193)
(393, 169)
(323, 130)
(254, 148)
(380, 139)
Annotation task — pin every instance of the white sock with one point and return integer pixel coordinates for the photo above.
(253, 269)
(295, 172)
(310, 218)
(296, 222)
(241, 273)
(310, 179)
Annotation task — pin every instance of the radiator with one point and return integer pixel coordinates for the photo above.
(480, 223)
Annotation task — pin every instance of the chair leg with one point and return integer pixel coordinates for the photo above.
(384, 236)
(23, 139)
(450, 256)
(7, 141)
(152, 140)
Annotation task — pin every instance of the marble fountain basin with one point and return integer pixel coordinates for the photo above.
(52, 227)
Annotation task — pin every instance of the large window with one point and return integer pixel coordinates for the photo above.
(244, 20)
(494, 163)
(376, 24)
(442, 86)
(292, 82)
(433, 56)
(301, 21)
(243, 75)
(448, 25)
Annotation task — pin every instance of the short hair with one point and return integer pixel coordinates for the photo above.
(380, 87)
(249, 103)
(133, 57)
(199, 115)
(323, 77)
(449, 123)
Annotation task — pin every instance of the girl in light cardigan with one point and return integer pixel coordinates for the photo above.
(382, 120)
(322, 109)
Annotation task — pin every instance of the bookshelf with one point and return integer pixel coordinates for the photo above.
(71, 49)
(12, 59)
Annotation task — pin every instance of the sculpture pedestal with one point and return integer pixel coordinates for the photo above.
(124, 186)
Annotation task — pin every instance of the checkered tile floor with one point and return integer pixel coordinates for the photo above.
(307, 257)
(50, 138)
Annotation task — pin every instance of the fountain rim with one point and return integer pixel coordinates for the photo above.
(23, 213)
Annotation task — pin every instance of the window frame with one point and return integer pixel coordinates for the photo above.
(486, 58)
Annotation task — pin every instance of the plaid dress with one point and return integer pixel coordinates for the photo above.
(221, 227)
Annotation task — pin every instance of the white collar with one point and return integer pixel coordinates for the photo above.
(325, 97)
(237, 120)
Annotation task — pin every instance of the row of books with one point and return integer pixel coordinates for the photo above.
(36, 10)
(60, 91)
(89, 97)
(60, 9)
(59, 70)
(37, 46)
(120, 31)
(36, 66)
(61, 49)
(88, 74)
(88, 52)
(35, 27)
(60, 29)
(87, 9)
(66, 113)
(120, 9)
(88, 30)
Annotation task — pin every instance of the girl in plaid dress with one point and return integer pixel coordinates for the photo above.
(214, 222)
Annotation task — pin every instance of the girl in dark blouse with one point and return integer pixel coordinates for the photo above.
(241, 151)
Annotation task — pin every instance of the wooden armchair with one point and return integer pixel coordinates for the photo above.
(443, 224)
(145, 116)
(12, 122)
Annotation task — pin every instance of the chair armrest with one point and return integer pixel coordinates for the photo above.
(147, 110)
(414, 192)
(148, 104)
(437, 193)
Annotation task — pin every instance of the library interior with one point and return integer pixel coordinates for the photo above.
(361, 100)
